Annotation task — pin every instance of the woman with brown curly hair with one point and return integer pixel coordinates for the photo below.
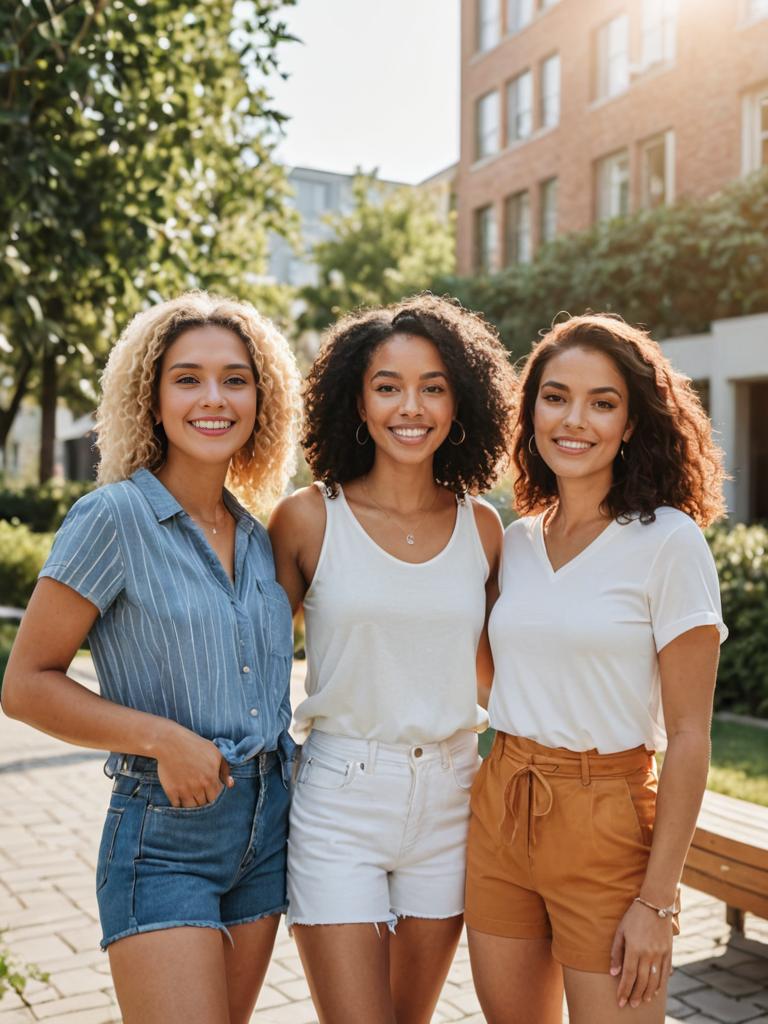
(605, 642)
(173, 582)
(408, 417)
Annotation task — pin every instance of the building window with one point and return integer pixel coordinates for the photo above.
(520, 107)
(485, 239)
(550, 91)
(613, 186)
(519, 14)
(547, 210)
(544, 5)
(611, 65)
(488, 24)
(657, 170)
(517, 229)
(755, 130)
(659, 32)
(487, 125)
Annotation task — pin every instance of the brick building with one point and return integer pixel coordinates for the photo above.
(576, 110)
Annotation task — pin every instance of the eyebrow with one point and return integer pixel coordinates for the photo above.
(592, 391)
(198, 366)
(398, 376)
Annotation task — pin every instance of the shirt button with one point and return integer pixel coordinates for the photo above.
(246, 668)
(254, 712)
(418, 752)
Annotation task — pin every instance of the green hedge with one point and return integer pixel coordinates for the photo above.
(22, 554)
(741, 555)
(674, 269)
(41, 508)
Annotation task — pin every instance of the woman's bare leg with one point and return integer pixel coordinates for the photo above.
(171, 976)
(420, 955)
(347, 968)
(246, 964)
(592, 1000)
(517, 980)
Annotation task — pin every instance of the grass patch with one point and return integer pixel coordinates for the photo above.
(739, 760)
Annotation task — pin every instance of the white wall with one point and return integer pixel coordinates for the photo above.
(732, 355)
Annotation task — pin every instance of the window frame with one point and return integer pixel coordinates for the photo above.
(485, 240)
(544, 122)
(603, 169)
(606, 53)
(484, 133)
(515, 112)
(518, 240)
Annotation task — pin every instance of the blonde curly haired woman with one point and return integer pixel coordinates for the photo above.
(172, 581)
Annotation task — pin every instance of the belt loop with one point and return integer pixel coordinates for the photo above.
(445, 755)
(373, 749)
(584, 768)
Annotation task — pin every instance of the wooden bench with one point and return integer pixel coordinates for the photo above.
(729, 856)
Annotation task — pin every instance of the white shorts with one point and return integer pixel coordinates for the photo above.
(379, 831)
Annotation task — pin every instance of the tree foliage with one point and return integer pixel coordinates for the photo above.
(136, 157)
(392, 243)
(674, 269)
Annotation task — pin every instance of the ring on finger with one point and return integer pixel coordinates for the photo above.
(654, 969)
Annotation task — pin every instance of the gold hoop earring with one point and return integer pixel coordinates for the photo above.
(357, 434)
(532, 446)
(463, 437)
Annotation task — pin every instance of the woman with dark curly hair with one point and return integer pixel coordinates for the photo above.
(408, 417)
(605, 641)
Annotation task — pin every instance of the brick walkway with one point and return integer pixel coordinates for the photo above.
(52, 800)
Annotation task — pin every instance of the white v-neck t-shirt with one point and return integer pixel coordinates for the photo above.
(576, 651)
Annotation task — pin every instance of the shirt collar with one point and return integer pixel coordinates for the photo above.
(164, 505)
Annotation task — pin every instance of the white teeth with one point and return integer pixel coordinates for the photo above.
(409, 431)
(578, 445)
(212, 424)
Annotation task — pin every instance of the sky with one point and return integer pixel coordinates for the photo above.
(375, 84)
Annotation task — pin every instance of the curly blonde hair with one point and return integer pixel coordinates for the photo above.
(127, 439)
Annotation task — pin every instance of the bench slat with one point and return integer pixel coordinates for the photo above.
(756, 903)
(734, 872)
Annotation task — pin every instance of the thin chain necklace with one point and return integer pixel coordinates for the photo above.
(410, 537)
(213, 529)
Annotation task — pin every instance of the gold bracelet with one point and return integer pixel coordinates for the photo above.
(661, 911)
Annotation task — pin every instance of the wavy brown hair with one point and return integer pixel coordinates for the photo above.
(479, 370)
(671, 458)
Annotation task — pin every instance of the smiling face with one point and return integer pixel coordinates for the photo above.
(581, 415)
(407, 400)
(207, 396)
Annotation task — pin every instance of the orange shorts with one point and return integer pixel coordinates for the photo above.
(558, 845)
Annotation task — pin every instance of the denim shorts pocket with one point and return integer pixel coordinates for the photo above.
(159, 803)
(325, 773)
(465, 771)
(107, 845)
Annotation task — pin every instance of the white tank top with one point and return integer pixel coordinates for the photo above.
(391, 646)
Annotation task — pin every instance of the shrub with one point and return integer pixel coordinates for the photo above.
(741, 555)
(42, 507)
(675, 269)
(22, 554)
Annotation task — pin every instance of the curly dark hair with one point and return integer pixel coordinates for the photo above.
(671, 458)
(479, 370)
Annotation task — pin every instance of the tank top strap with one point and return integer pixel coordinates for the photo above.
(469, 531)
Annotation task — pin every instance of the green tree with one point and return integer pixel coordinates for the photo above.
(392, 243)
(136, 146)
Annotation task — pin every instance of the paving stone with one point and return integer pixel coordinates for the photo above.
(16, 1016)
(294, 1013)
(73, 1004)
(269, 997)
(722, 1007)
(729, 983)
(680, 983)
(677, 1010)
(107, 1015)
(757, 969)
(295, 989)
(71, 983)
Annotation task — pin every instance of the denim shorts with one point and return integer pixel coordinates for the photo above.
(379, 831)
(213, 866)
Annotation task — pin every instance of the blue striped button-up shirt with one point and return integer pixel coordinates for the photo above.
(175, 637)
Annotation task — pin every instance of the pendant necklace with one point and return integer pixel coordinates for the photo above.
(410, 537)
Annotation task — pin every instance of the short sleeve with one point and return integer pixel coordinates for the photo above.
(683, 588)
(86, 553)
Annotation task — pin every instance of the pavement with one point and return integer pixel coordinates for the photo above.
(52, 802)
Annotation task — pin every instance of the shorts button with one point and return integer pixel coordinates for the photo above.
(254, 712)
(418, 752)
(246, 668)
